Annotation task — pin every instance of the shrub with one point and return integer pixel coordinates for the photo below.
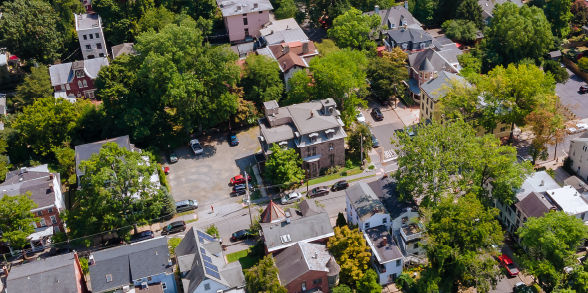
(559, 73)
(84, 265)
(173, 243)
(371, 167)
(348, 164)
(583, 63)
(212, 230)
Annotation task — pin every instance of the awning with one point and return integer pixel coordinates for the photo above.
(41, 233)
(312, 159)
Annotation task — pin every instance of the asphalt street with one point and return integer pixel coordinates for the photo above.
(571, 98)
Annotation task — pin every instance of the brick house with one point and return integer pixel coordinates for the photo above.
(244, 18)
(314, 129)
(76, 79)
(307, 267)
(291, 56)
(45, 190)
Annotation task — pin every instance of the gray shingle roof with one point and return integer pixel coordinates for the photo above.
(124, 48)
(238, 7)
(534, 205)
(50, 275)
(129, 262)
(414, 35)
(34, 180)
(537, 182)
(301, 258)
(85, 151)
(437, 87)
(63, 73)
(396, 15)
(283, 31)
(363, 199)
(87, 21)
(488, 5)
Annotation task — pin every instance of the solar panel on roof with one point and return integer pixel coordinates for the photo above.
(200, 239)
(207, 258)
(202, 250)
(213, 273)
(205, 236)
(210, 266)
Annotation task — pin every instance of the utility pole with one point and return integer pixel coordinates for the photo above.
(248, 199)
(361, 148)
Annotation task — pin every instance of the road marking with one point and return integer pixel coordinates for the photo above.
(389, 155)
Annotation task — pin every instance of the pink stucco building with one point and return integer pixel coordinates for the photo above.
(244, 18)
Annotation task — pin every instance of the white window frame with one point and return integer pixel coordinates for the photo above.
(42, 222)
(53, 219)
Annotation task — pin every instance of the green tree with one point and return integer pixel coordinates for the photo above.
(341, 222)
(560, 74)
(116, 193)
(16, 219)
(283, 166)
(460, 30)
(547, 123)
(387, 73)
(446, 9)
(369, 283)
(326, 46)
(351, 253)
(472, 11)
(460, 234)
(529, 25)
(28, 28)
(212, 230)
(261, 81)
(359, 137)
(471, 64)
(580, 12)
(300, 88)
(4, 161)
(551, 243)
(286, 9)
(155, 18)
(559, 14)
(206, 9)
(36, 84)
(66, 24)
(342, 289)
(65, 157)
(424, 10)
(583, 63)
(264, 277)
(353, 29)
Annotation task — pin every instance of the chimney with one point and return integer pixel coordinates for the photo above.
(377, 9)
(542, 183)
(305, 47)
(255, 5)
(50, 176)
(384, 241)
(315, 256)
(285, 49)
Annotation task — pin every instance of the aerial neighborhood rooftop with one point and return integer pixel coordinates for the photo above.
(279, 146)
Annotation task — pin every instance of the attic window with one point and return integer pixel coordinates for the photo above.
(108, 278)
(283, 143)
(330, 132)
(285, 238)
(313, 136)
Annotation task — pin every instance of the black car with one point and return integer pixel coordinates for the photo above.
(241, 235)
(241, 189)
(377, 114)
(174, 227)
(145, 235)
(186, 205)
(340, 185)
(112, 242)
(583, 89)
(318, 191)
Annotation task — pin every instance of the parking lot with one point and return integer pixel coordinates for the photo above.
(206, 177)
(570, 97)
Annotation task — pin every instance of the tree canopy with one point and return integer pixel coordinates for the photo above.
(560, 74)
(261, 81)
(360, 137)
(36, 84)
(580, 12)
(284, 166)
(285, 9)
(264, 277)
(351, 253)
(116, 192)
(353, 29)
(28, 28)
(460, 30)
(16, 218)
(516, 33)
(387, 73)
(551, 243)
(559, 14)
(369, 283)
(470, 10)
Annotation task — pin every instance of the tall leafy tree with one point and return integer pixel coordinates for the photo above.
(470, 10)
(351, 253)
(460, 30)
(446, 9)
(28, 28)
(66, 24)
(360, 139)
(116, 193)
(16, 219)
(516, 33)
(261, 81)
(551, 243)
(459, 238)
(285, 9)
(369, 283)
(547, 123)
(4, 161)
(36, 84)
(580, 12)
(284, 166)
(387, 73)
(353, 29)
(300, 88)
(559, 14)
(264, 277)
(206, 9)
(424, 10)
(560, 74)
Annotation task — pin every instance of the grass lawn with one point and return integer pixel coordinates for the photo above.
(361, 178)
(347, 172)
(245, 257)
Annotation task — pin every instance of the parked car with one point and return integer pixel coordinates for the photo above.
(241, 235)
(196, 147)
(290, 198)
(340, 185)
(583, 89)
(186, 205)
(375, 142)
(241, 189)
(173, 158)
(174, 227)
(112, 242)
(511, 268)
(377, 114)
(360, 118)
(59, 251)
(233, 140)
(240, 179)
(145, 235)
(318, 191)
(521, 287)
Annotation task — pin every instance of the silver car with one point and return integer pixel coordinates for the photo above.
(290, 198)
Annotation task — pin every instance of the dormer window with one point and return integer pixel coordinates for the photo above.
(329, 133)
(80, 73)
(313, 137)
(283, 144)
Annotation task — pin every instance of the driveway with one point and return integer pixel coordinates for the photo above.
(570, 97)
(206, 177)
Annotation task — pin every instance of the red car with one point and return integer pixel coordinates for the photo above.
(510, 267)
(239, 179)
(165, 169)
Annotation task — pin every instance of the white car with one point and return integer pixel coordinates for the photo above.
(360, 118)
(196, 147)
(572, 130)
(582, 126)
(292, 197)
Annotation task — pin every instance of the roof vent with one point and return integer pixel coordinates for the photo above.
(255, 5)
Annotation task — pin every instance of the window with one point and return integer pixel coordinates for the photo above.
(88, 47)
(89, 95)
(330, 147)
(53, 220)
(97, 35)
(317, 281)
(163, 285)
(416, 245)
(91, 36)
(149, 279)
(398, 262)
(206, 286)
(366, 225)
(384, 220)
(85, 83)
(404, 46)
(56, 229)
(80, 73)
(244, 20)
(332, 159)
(246, 32)
(50, 210)
(39, 213)
(42, 222)
(303, 286)
(260, 12)
(314, 151)
(101, 55)
(98, 45)
(79, 84)
(85, 37)
(502, 129)
(62, 87)
(67, 86)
